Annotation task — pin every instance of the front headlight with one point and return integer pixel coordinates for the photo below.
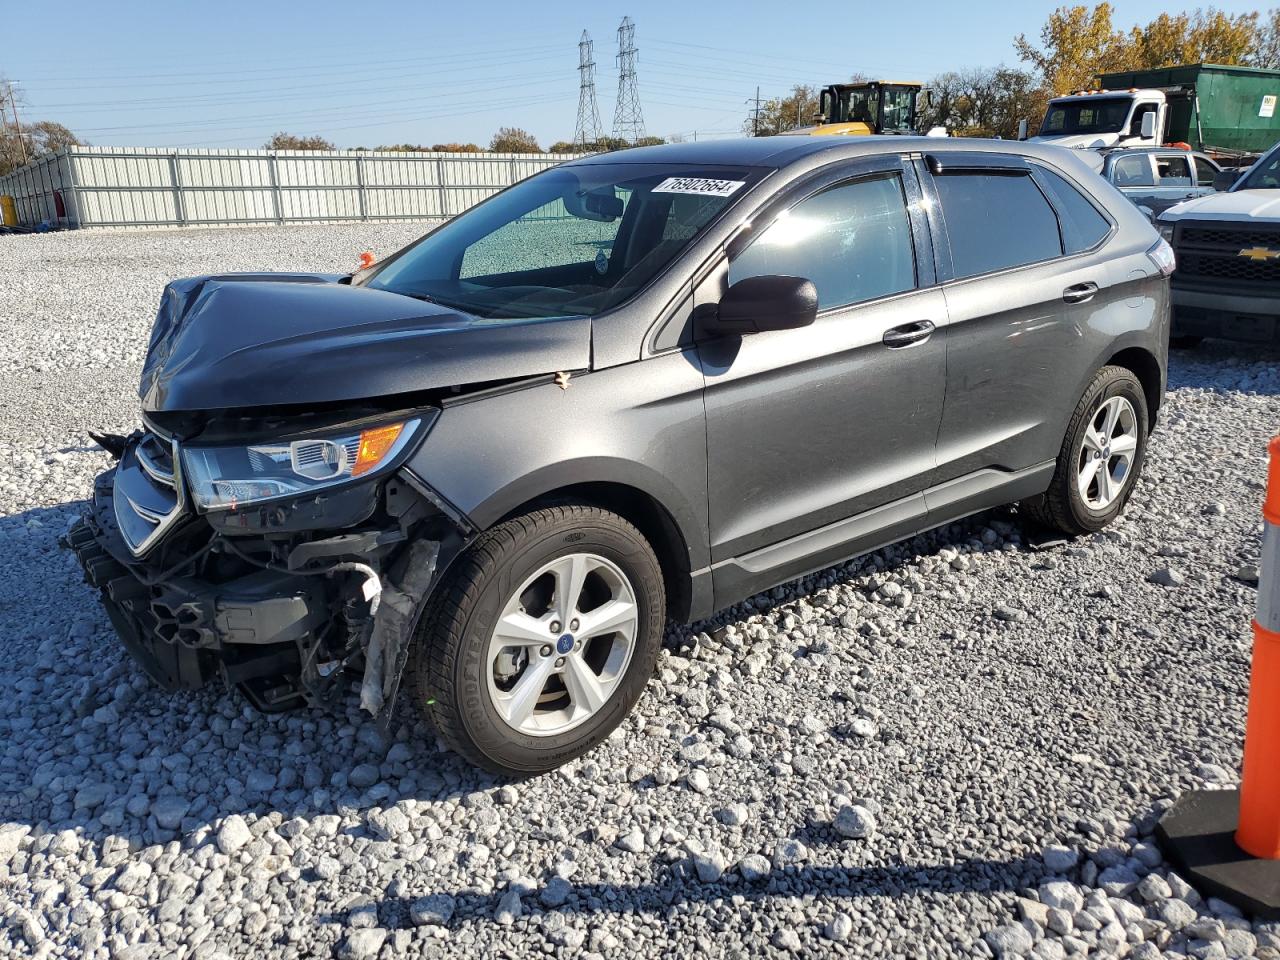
(226, 477)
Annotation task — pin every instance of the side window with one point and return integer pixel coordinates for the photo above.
(1133, 171)
(1082, 225)
(996, 221)
(853, 241)
(1173, 171)
(1205, 172)
(1135, 125)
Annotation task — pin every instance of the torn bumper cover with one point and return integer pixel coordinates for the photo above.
(194, 608)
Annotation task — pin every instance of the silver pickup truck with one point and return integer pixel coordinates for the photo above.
(1158, 178)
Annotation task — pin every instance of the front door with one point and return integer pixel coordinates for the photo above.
(809, 427)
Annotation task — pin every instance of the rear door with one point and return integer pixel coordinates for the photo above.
(808, 427)
(1021, 283)
(1175, 181)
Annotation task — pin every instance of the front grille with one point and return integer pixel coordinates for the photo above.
(1228, 236)
(147, 491)
(1230, 267)
(1211, 255)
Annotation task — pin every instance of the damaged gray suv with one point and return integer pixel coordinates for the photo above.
(637, 387)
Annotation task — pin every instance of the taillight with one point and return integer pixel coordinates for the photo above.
(1162, 256)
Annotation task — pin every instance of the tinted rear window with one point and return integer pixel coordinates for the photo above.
(996, 221)
(1082, 225)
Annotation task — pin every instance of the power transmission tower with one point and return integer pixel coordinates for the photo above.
(755, 114)
(628, 120)
(586, 133)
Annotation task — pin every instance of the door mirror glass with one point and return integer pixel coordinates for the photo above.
(757, 304)
(1149, 125)
(1225, 179)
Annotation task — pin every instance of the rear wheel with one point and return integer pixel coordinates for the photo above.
(1101, 456)
(542, 639)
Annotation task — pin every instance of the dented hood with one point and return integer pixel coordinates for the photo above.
(250, 340)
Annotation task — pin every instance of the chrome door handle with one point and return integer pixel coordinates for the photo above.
(907, 334)
(1080, 292)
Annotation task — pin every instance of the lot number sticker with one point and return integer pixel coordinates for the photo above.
(701, 186)
(1268, 108)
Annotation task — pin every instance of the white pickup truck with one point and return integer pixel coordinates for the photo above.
(1096, 120)
(1227, 244)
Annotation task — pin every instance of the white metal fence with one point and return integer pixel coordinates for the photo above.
(156, 187)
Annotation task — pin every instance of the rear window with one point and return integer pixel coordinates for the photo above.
(1205, 172)
(996, 221)
(1083, 226)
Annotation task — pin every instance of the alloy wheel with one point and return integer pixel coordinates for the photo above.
(1105, 460)
(562, 645)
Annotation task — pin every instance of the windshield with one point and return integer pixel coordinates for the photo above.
(1095, 115)
(572, 241)
(1265, 174)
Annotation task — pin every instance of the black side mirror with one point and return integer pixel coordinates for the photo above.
(1224, 180)
(757, 304)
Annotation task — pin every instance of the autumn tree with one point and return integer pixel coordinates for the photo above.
(1079, 43)
(1076, 44)
(291, 141)
(514, 140)
(1203, 36)
(41, 137)
(1267, 52)
(780, 114)
(983, 101)
(457, 148)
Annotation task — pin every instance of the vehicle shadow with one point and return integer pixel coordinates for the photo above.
(677, 885)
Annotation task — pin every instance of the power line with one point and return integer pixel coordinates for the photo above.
(586, 130)
(628, 119)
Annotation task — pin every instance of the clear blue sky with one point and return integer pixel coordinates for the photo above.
(228, 73)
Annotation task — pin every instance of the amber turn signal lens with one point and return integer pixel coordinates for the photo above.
(374, 445)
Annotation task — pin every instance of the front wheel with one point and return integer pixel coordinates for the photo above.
(1101, 456)
(542, 638)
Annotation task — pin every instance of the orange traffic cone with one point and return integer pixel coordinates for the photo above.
(1227, 842)
(1259, 832)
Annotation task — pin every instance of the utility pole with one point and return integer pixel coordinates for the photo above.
(586, 133)
(17, 124)
(755, 114)
(628, 119)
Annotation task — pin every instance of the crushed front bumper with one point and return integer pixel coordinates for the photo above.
(283, 638)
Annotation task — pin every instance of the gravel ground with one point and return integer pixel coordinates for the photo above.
(954, 747)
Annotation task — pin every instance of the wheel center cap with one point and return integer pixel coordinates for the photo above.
(1106, 453)
(564, 644)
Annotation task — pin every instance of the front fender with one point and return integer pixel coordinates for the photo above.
(640, 425)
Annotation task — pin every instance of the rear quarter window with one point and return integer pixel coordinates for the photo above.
(1083, 226)
(996, 221)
